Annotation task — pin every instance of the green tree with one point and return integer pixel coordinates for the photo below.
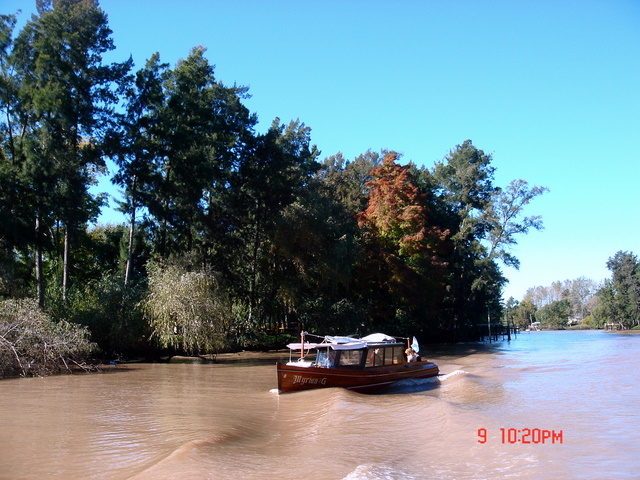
(620, 296)
(186, 310)
(349, 180)
(554, 315)
(272, 175)
(484, 221)
(581, 293)
(464, 188)
(136, 144)
(65, 97)
(316, 251)
(505, 224)
(464, 180)
(15, 229)
(185, 132)
(524, 314)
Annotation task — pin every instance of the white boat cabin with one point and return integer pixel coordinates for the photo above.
(375, 350)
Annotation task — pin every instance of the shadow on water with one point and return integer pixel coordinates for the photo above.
(244, 358)
(465, 349)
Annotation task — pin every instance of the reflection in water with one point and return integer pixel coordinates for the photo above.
(223, 420)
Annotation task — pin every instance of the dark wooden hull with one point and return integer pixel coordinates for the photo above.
(292, 378)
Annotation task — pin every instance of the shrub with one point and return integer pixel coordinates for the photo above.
(32, 344)
(110, 310)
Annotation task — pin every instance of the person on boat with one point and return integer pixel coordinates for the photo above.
(412, 356)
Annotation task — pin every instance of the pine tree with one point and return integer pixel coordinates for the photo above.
(65, 97)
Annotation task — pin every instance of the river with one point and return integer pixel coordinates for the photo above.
(572, 395)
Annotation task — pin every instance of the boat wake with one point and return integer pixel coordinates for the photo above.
(447, 376)
(377, 472)
(419, 384)
(315, 425)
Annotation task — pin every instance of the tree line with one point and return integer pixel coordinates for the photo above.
(584, 303)
(233, 235)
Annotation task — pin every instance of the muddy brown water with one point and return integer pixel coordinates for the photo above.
(546, 405)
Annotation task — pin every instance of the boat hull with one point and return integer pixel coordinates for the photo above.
(292, 378)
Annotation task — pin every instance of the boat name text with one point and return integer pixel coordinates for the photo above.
(309, 381)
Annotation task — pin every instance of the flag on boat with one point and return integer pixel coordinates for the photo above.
(415, 346)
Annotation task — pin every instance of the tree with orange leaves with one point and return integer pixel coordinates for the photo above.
(397, 214)
(403, 248)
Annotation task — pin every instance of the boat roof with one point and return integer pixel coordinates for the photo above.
(347, 343)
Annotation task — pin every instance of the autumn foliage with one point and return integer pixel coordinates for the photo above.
(404, 251)
(397, 214)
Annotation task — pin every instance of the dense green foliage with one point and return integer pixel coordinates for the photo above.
(620, 295)
(234, 236)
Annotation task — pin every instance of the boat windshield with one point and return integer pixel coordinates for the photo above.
(325, 357)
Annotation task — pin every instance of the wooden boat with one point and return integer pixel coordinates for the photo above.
(361, 364)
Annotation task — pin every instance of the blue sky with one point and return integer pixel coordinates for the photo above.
(549, 88)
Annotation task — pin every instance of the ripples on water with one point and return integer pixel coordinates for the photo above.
(224, 421)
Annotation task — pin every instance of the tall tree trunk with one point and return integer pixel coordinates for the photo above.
(132, 225)
(163, 228)
(39, 275)
(163, 237)
(65, 264)
(254, 267)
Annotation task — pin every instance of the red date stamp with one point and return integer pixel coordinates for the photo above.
(524, 436)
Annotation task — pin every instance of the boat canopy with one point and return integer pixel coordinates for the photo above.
(343, 343)
(352, 345)
(378, 338)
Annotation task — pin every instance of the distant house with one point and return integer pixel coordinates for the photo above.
(574, 321)
(613, 326)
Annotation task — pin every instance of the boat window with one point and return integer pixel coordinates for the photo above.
(325, 358)
(392, 355)
(375, 357)
(388, 358)
(350, 357)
